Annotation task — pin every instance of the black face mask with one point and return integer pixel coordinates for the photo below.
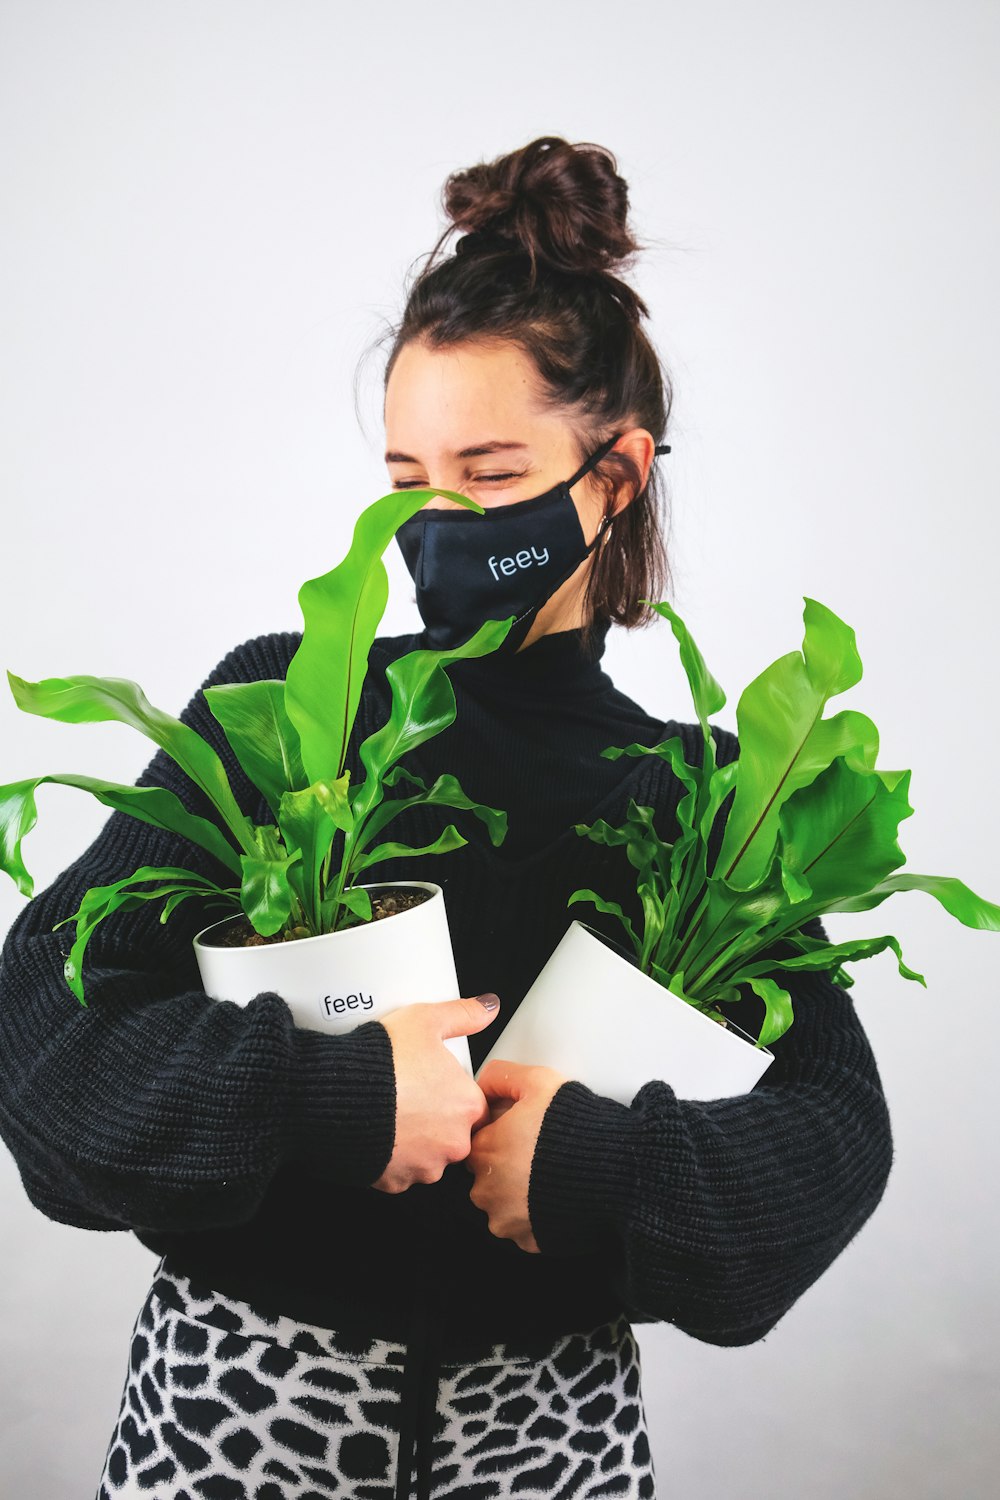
(469, 568)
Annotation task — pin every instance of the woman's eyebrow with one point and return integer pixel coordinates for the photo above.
(495, 445)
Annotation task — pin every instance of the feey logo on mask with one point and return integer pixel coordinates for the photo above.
(523, 559)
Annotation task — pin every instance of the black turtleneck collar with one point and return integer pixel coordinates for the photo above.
(556, 665)
(528, 735)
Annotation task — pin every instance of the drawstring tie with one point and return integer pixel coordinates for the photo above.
(421, 1368)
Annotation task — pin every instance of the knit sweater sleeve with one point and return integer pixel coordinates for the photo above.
(155, 1107)
(716, 1216)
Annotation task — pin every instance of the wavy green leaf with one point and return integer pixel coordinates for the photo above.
(357, 900)
(838, 835)
(266, 894)
(334, 798)
(953, 894)
(174, 900)
(601, 832)
(650, 857)
(613, 909)
(341, 611)
(785, 742)
(448, 839)
(307, 820)
(829, 956)
(778, 1014)
(263, 737)
(708, 695)
(101, 901)
(153, 804)
(445, 791)
(423, 704)
(94, 700)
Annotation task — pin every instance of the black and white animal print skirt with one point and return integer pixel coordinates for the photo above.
(222, 1402)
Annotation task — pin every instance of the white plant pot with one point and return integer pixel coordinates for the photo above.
(339, 980)
(597, 1018)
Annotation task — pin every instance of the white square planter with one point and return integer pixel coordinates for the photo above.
(597, 1018)
(338, 980)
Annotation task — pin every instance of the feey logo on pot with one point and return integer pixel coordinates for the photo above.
(335, 1005)
(526, 559)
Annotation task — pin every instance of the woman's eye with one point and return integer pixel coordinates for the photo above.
(409, 484)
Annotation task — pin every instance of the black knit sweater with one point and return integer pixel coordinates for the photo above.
(245, 1148)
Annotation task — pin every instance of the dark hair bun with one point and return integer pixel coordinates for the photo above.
(562, 204)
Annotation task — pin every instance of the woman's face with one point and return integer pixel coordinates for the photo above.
(470, 419)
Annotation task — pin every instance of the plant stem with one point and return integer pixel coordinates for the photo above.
(706, 939)
(731, 951)
(673, 961)
(648, 944)
(342, 880)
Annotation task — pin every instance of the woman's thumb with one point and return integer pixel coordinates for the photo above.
(463, 1016)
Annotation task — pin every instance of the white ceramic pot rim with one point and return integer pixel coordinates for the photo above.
(621, 952)
(239, 954)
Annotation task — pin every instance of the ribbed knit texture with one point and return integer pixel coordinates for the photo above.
(245, 1148)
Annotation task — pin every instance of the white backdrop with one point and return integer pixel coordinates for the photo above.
(208, 211)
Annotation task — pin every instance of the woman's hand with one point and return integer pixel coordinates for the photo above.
(502, 1147)
(437, 1104)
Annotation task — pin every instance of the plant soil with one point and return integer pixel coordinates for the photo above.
(240, 933)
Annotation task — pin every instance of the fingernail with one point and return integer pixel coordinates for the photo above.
(489, 1000)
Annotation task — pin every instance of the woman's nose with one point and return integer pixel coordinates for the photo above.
(441, 502)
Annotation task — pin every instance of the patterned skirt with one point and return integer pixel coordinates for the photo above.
(221, 1402)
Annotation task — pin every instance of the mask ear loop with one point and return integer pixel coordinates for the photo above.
(594, 458)
(604, 449)
(607, 521)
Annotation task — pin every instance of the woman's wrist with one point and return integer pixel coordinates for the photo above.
(583, 1171)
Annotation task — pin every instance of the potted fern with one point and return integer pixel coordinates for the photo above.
(812, 829)
(302, 921)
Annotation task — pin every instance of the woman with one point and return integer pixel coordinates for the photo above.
(375, 1270)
